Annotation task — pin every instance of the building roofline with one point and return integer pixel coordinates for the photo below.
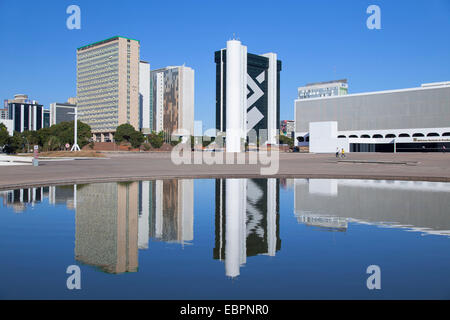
(325, 82)
(110, 38)
(376, 92)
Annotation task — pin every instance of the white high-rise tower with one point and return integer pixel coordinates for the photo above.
(236, 95)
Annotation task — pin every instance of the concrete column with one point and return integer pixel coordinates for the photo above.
(236, 108)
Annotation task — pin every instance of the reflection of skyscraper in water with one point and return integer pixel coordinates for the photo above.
(172, 219)
(106, 221)
(247, 221)
(19, 199)
(62, 195)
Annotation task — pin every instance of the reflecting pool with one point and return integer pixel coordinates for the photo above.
(227, 239)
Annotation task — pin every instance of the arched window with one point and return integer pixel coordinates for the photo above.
(418, 134)
(353, 136)
(433, 134)
(404, 135)
(300, 139)
(365, 136)
(446, 134)
(377, 136)
(342, 137)
(390, 135)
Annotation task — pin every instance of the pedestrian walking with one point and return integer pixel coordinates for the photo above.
(337, 152)
(342, 153)
(443, 149)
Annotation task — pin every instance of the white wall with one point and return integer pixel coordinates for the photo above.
(187, 100)
(144, 92)
(9, 125)
(323, 137)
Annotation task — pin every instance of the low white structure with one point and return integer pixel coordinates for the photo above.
(406, 120)
(324, 137)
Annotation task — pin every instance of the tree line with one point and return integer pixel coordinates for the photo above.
(48, 139)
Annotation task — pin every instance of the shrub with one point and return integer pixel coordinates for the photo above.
(156, 139)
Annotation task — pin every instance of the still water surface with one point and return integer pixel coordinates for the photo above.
(227, 239)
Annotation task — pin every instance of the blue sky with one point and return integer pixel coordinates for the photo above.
(316, 40)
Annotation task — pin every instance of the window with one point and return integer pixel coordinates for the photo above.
(418, 135)
(342, 137)
(353, 136)
(433, 134)
(365, 136)
(390, 135)
(377, 136)
(404, 135)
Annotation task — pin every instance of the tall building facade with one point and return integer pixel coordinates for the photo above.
(247, 94)
(108, 85)
(25, 114)
(323, 89)
(61, 112)
(144, 96)
(172, 100)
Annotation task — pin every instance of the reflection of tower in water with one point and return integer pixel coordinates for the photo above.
(247, 221)
(106, 221)
(173, 217)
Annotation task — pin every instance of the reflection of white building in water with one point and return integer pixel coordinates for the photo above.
(247, 221)
(19, 199)
(332, 203)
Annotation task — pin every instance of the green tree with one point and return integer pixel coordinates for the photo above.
(53, 143)
(156, 139)
(136, 139)
(286, 140)
(4, 135)
(124, 132)
(64, 131)
(30, 139)
(16, 143)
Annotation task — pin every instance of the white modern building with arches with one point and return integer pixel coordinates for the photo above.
(407, 120)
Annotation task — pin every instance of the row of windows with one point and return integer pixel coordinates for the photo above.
(99, 92)
(99, 97)
(98, 81)
(401, 135)
(98, 104)
(108, 85)
(110, 71)
(111, 66)
(96, 61)
(390, 135)
(88, 55)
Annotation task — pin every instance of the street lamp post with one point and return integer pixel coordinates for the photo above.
(75, 146)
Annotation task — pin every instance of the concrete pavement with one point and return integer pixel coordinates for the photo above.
(146, 166)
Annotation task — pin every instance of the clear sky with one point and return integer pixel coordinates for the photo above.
(316, 40)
